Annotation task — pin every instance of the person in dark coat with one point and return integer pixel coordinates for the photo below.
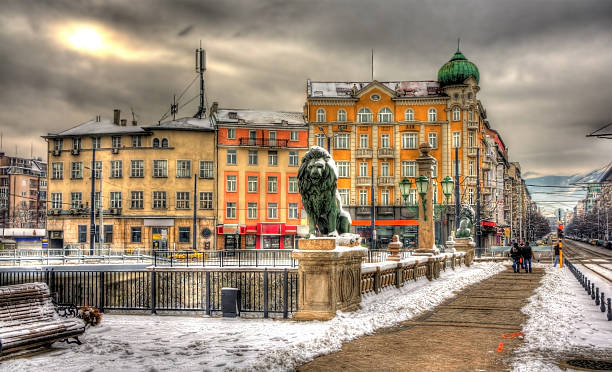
(515, 253)
(557, 251)
(527, 253)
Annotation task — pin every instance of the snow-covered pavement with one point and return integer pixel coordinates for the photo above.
(163, 343)
(563, 324)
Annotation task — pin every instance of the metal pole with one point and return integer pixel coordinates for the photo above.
(195, 193)
(372, 211)
(92, 229)
(101, 227)
(457, 196)
(511, 211)
(478, 223)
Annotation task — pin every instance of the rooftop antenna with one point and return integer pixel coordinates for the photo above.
(458, 42)
(200, 65)
(133, 116)
(372, 64)
(174, 108)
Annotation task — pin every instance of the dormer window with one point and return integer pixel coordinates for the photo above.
(164, 143)
(155, 142)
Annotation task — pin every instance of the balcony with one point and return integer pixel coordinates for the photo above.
(486, 165)
(363, 153)
(363, 181)
(263, 142)
(470, 180)
(386, 152)
(471, 151)
(486, 190)
(472, 125)
(386, 181)
(385, 210)
(363, 210)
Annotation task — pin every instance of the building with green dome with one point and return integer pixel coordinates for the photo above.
(457, 70)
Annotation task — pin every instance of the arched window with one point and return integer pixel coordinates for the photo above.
(155, 142)
(364, 115)
(385, 115)
(320, 115)
(409, 115)
(432, 114)
(342, 115)
(456, 114)
(471, 115)
(164, 143)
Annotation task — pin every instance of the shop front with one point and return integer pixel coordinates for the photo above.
(264, 235)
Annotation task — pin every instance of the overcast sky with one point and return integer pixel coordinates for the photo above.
(545, 66)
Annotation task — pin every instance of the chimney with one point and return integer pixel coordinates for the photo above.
(123, 122)
(134, 123)
(116, 116)
(214, 107)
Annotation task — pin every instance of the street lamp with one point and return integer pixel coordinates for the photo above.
(405, 186)
(422, 184)
(447, 187)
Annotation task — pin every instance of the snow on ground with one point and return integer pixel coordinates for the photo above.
(600, 282)
(563, 324)
(170, 343)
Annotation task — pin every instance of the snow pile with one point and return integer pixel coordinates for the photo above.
(563, 323)
(165, 343)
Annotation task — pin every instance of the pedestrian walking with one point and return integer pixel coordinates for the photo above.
(515, 253)
(527, 253)
(557, 255)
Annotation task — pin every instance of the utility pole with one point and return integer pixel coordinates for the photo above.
(372, 211)
(478, 223)
(195, 193)
(101, 226)
(92, 228)
(457, 197)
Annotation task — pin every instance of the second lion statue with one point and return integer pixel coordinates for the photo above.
(317, 183)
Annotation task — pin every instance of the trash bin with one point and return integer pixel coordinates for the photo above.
(230, 302)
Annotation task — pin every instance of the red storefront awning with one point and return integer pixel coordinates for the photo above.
(251, 229)
(290, 229)
(488, 223)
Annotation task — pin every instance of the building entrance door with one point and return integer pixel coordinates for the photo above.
(160, 238)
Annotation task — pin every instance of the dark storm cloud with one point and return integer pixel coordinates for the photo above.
(544, 64)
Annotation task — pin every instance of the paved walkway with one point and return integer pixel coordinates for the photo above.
(474, 331)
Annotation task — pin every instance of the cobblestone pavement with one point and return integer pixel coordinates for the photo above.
(476, 330)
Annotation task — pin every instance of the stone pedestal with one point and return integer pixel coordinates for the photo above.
(427, 244)
(466, 245)
(394, 248)
(329, 278)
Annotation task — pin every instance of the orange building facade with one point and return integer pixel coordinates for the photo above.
(259, 205)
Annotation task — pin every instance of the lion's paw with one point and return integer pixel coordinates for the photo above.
(333, 233)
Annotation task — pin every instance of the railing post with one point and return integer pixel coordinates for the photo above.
(398, 276)
(377, 280)
(154, 258)
(187, 258)
(102, 294)
(153, 291)
(265, 290)
(208, 309)
(239, 254)
(221, 258)
(285, 294)
(171, 258)
(256, 257)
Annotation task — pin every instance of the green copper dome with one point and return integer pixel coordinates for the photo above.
(457, 70)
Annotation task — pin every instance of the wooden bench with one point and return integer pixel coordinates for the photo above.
(29, 318)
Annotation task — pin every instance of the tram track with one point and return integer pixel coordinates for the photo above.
(576, 252)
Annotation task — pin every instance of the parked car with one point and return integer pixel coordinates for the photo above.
(599, 242)
(608, 244)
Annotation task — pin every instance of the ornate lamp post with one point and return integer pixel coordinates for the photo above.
(447, 189)
(405, 186)
(422, 185)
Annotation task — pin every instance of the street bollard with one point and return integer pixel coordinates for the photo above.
(597, 296)
(593, 292)
(609, 309)
(603, 303)
(588, 288)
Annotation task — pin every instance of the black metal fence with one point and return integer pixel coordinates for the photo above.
(589, 287)
(226, 258)
(264, 291)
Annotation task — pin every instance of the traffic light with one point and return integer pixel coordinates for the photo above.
(560, 231)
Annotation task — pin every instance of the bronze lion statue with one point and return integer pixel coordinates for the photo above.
(317, 183)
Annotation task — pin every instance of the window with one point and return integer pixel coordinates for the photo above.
(108, 233)
(76, 143)
(434, 171)
(164, 143)
(293, 211)
(183, 168)
(95, 142)
(58, 144)
(116, 168)
(432, 114)
(272, 211)
(206, 200)
(272, 184)
(184, 234)
(343, 169)
(231, 133)
(342, 115)
(137, 200)
(252, 184)
(363, 169)
(471, 167)
(433, 140)
(252, 137)
(412, 198)
(76, 199)
(471, 196)
(320, 115)
(409, 140)
(155, 142)
(82, 233)
(160, 168)
(344, 196)
(116, 141)
(363, 197)
(456, 114)
(56, 200)
(272, 157)
(272, 137)
(469, 95)
(321, 141)
(384, 169)
(364, 115)
(159, 200)
(456, 139)
(136, 234)
(409, 115)
(231, 157)
(385, 115)
(137, 168)
(252, 211)
(384, 197)
(294, 136)
(182, 200)
(136, 141)
(409, 168)
(293, 185)
(435, 193)
(98, 169)
(57, 171)
(76, 170)
(230, 183)
(471, 115)
(230, 210)
(293, 159)
(97, 200)
(206, 169)
(115, 199)
(342, 141)
(471, 139)
(364, 141)
(384, 141)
